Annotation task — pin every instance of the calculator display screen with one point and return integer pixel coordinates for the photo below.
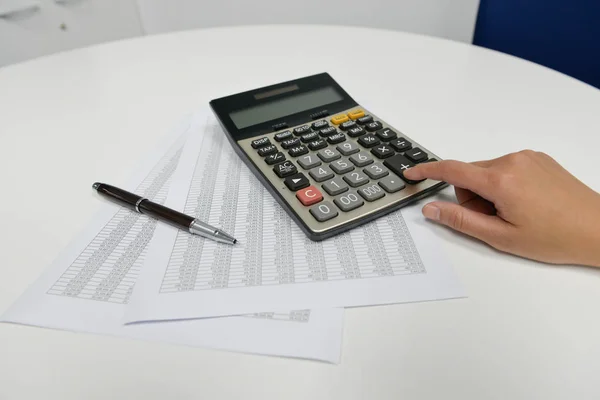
(287, 106)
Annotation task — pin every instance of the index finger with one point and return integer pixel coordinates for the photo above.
(457, 173)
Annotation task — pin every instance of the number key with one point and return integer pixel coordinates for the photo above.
(348, 148)
(324, 211)
(348, 201)
(328, 155)
(356, 179)
(361, 159)
(321, 173)
(309, 161)
(341, 166)
(376, 171)
(371, 193)
(335, 186)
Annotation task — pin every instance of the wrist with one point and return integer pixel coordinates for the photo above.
(589, 240)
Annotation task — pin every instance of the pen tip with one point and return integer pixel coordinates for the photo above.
(96, 185)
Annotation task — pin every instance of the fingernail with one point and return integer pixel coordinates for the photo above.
(431, 212)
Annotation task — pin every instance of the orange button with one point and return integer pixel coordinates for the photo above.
(338, 119)
(356, 114)
(309, 196)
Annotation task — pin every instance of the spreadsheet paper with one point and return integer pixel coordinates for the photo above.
(88, 288)
(274, 265)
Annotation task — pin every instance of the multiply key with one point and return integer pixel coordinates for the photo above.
(260, 142)
(383, 151)
(265, 151)
(285, 168)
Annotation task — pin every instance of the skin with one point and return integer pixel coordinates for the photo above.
(523, 203)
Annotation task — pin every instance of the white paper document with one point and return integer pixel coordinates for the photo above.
(275, 266)
(88, 287)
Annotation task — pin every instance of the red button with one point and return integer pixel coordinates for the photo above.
(309, 196)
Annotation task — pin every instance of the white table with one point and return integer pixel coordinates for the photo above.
(526, 331)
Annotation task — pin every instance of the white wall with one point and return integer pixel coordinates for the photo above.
(56, 25)
(452, 19)
(35, 33)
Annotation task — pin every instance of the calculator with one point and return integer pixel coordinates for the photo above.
(331, 163)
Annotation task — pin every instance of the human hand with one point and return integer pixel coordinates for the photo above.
(523, 203)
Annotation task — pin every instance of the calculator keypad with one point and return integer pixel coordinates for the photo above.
(266, 150)
(348, 148)
(354, 162)
(324, 211)
(342, 166)
(348, 201)
(309, 161)
(320, 174)
(275, 158)
(328, 155)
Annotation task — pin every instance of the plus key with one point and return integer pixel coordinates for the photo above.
(398, 164)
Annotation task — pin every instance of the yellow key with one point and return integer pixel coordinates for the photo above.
(338, 119)
(356, 114)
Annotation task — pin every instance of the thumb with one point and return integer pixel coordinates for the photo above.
(488, 228)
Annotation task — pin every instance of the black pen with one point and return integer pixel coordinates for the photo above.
(162, 213)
